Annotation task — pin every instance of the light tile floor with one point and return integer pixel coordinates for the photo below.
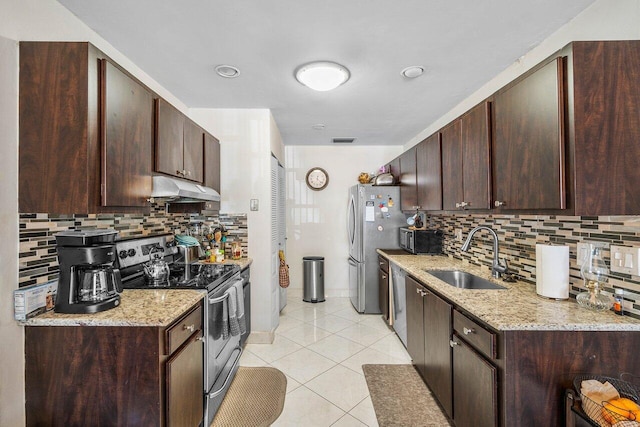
(321, 349)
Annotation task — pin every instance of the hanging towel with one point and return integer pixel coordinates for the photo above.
(225, 318)
(283, 271)
(240, 309)
(234, 326)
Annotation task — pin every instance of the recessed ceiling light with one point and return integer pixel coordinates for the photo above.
(318, 126)
(413, 71)
(322, 75)
(227, 71)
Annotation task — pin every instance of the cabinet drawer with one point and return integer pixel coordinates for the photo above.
(478, 337)
(180, 331)
(383, 263)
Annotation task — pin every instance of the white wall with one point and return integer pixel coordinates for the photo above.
(603, 20)
(317, 220)
(11, 335)
(246, 140)
(48, 20)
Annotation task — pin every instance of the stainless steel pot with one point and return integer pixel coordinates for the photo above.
(189, 254)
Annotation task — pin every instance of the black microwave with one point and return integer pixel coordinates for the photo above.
(421, 241)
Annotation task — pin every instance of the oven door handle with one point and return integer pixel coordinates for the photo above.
(226, 381)
(219, 299)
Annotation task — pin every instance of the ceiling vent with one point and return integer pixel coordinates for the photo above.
(343, 140)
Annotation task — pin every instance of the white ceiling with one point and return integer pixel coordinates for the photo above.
(461, 43)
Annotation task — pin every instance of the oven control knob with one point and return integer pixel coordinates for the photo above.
(122, 254)
(131, 252)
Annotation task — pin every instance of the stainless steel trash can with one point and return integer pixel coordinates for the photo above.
(313, 270)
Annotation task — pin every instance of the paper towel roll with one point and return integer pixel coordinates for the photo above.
(552, 271)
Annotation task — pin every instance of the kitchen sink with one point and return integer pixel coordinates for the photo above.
(463, 280)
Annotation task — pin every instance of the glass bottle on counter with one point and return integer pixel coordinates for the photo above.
(617, 301)
(594, 272)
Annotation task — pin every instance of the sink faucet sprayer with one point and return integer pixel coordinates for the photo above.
(497, 269)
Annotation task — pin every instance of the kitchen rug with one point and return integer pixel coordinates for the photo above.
(400, 397)
(255, 398)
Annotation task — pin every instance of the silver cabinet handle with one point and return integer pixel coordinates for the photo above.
(384, 277)
(498, 203)
(189, 328)
(468, 331)
(453, 343)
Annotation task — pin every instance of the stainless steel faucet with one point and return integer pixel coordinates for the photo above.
(498, 270)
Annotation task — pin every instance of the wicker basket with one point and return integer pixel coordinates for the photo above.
(599, 415)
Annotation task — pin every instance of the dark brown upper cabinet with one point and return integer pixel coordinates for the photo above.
(466, 161)
(126, 138)
(212, 167)
(604, 126)
(429, 173)
(85, 132)
(529, 141)
(407, 181)
(179, 144)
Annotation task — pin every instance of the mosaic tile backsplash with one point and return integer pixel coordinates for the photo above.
(518, 235)
(37, 252)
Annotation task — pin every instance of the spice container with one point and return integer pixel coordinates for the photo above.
(617, 301)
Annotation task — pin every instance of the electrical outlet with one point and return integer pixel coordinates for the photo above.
(458, 234)
(625, 259)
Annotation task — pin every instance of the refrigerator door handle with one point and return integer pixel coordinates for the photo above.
(351, 221)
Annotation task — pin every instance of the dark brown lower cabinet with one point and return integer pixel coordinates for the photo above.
(475, 385)
(428, 334)
(115, 375)
(383, 286)
(184, 395)
(485, 377)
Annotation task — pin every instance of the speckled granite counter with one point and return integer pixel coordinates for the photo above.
(138, 307)
(516, 308)
(242, 262)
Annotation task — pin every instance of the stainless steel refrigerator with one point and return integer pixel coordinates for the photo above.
(373, 219)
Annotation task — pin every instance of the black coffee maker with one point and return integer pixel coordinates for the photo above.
(88, 282)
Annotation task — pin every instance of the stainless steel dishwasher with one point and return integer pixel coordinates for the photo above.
(399, 307)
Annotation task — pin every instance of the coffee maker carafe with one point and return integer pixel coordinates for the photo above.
(88, 281)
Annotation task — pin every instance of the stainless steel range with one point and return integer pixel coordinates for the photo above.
(222, 348)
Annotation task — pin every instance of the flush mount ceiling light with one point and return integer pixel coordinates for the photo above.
(227, 71)
(412, 72)
(322, 75)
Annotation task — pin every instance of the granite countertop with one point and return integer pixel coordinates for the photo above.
(138, 307)
(242, 262)
(516, 308)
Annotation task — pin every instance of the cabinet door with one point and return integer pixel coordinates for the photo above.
(383, 292)
(193, 151)
(475, 383)
(437, 352)
(126, 138)
(184, 385)
(169, 129)
(528, 145)
(211, 162)
(415, 325)
(408, 185)
(476, 177)
(429, 173)
(452, 190)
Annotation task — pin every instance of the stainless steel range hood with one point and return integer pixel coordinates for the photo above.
(182, 191)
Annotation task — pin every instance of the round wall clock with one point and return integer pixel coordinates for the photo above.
(317, 179)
